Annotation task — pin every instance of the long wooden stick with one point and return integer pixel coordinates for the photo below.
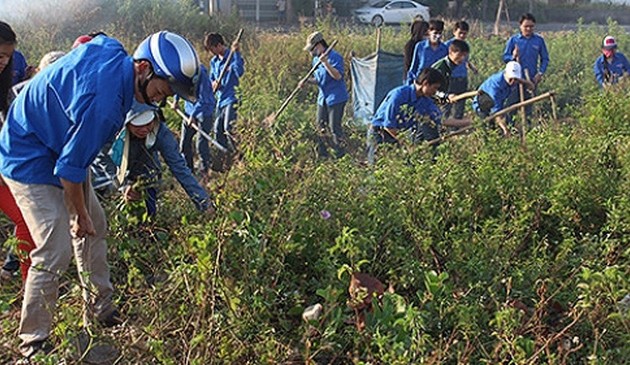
(378, 39)
(272, 117)
(466, 95)
(489, 118)
(518, 105)
(227, 63)
(188, 120)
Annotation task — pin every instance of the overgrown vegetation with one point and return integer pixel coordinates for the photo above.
(498, 254)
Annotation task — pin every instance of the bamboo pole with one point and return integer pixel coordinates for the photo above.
(554, 108)
(513, 107)
(188, 120)
(378, 39)
(466, 95)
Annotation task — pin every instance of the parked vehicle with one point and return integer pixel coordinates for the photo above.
(392, 11)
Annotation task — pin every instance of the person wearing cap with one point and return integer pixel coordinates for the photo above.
(428, 51)
(612, 65)
(53, 131)
(496, 90)
(409, 107)
(225, 93)
(146, 134)
(332, 95)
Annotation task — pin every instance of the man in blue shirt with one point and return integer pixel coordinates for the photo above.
(459, 74)
(225, 93)
(53, 132)
(496, 90)
(611, 66)
(332, 96)
(202, 112)
(530, 51)
(409, 107)
(427, 52)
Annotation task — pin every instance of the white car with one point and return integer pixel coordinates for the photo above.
(392, 11)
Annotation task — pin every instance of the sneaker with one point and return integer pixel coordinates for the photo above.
(112, 320)
(34, 350)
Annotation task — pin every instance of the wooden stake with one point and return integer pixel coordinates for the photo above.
(554, 108)
(378, 39)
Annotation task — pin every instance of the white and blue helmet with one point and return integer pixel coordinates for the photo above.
(174, 59)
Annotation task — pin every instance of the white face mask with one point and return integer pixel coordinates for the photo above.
(435, 37)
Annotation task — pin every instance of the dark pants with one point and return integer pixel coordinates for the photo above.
(186, 143)
(458, 85)
(223, 126)
(330, 134)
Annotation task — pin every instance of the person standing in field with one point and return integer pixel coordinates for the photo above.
(225, 92)
(332, 96)
(459, 75)
(530, 51)
(419, 29)
(612, 65)
(53, 132)
(428, 51)
(281, 6)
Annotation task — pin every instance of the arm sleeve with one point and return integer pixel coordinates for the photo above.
(415, 61)
(206, 101)
(170, 153)
(626, 65)
(95, 123)
(509, 48)
(544, 56)
(236, 69)
(392, 112)
(599, 73)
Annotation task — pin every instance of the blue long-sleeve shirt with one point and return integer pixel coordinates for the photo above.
(530, 51)
(423, 57)
(331, 91)
(206, 102)
(615, 69)
(226, 93)
(498, 89)
(403, 109)
(19, 67)
(144, 163)
(63, 117)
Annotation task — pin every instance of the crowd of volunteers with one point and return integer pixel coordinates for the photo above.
(96, 110)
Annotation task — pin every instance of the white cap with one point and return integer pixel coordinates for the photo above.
(140, 114)
(513, 70)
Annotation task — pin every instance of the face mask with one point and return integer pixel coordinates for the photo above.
(435, 37)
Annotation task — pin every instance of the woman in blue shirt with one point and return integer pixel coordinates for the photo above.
(332, 96)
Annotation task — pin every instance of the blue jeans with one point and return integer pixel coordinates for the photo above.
(186, 144)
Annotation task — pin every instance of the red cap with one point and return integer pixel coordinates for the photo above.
(81, 40)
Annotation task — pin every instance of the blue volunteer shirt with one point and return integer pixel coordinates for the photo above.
(402, 109)
(331, 91)
(530, 51)
(204, 107)
(19, 67)
(498, 89)
(226, 94)
(616, 69)
(459, 71)
(63, 117)
(423, 57)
